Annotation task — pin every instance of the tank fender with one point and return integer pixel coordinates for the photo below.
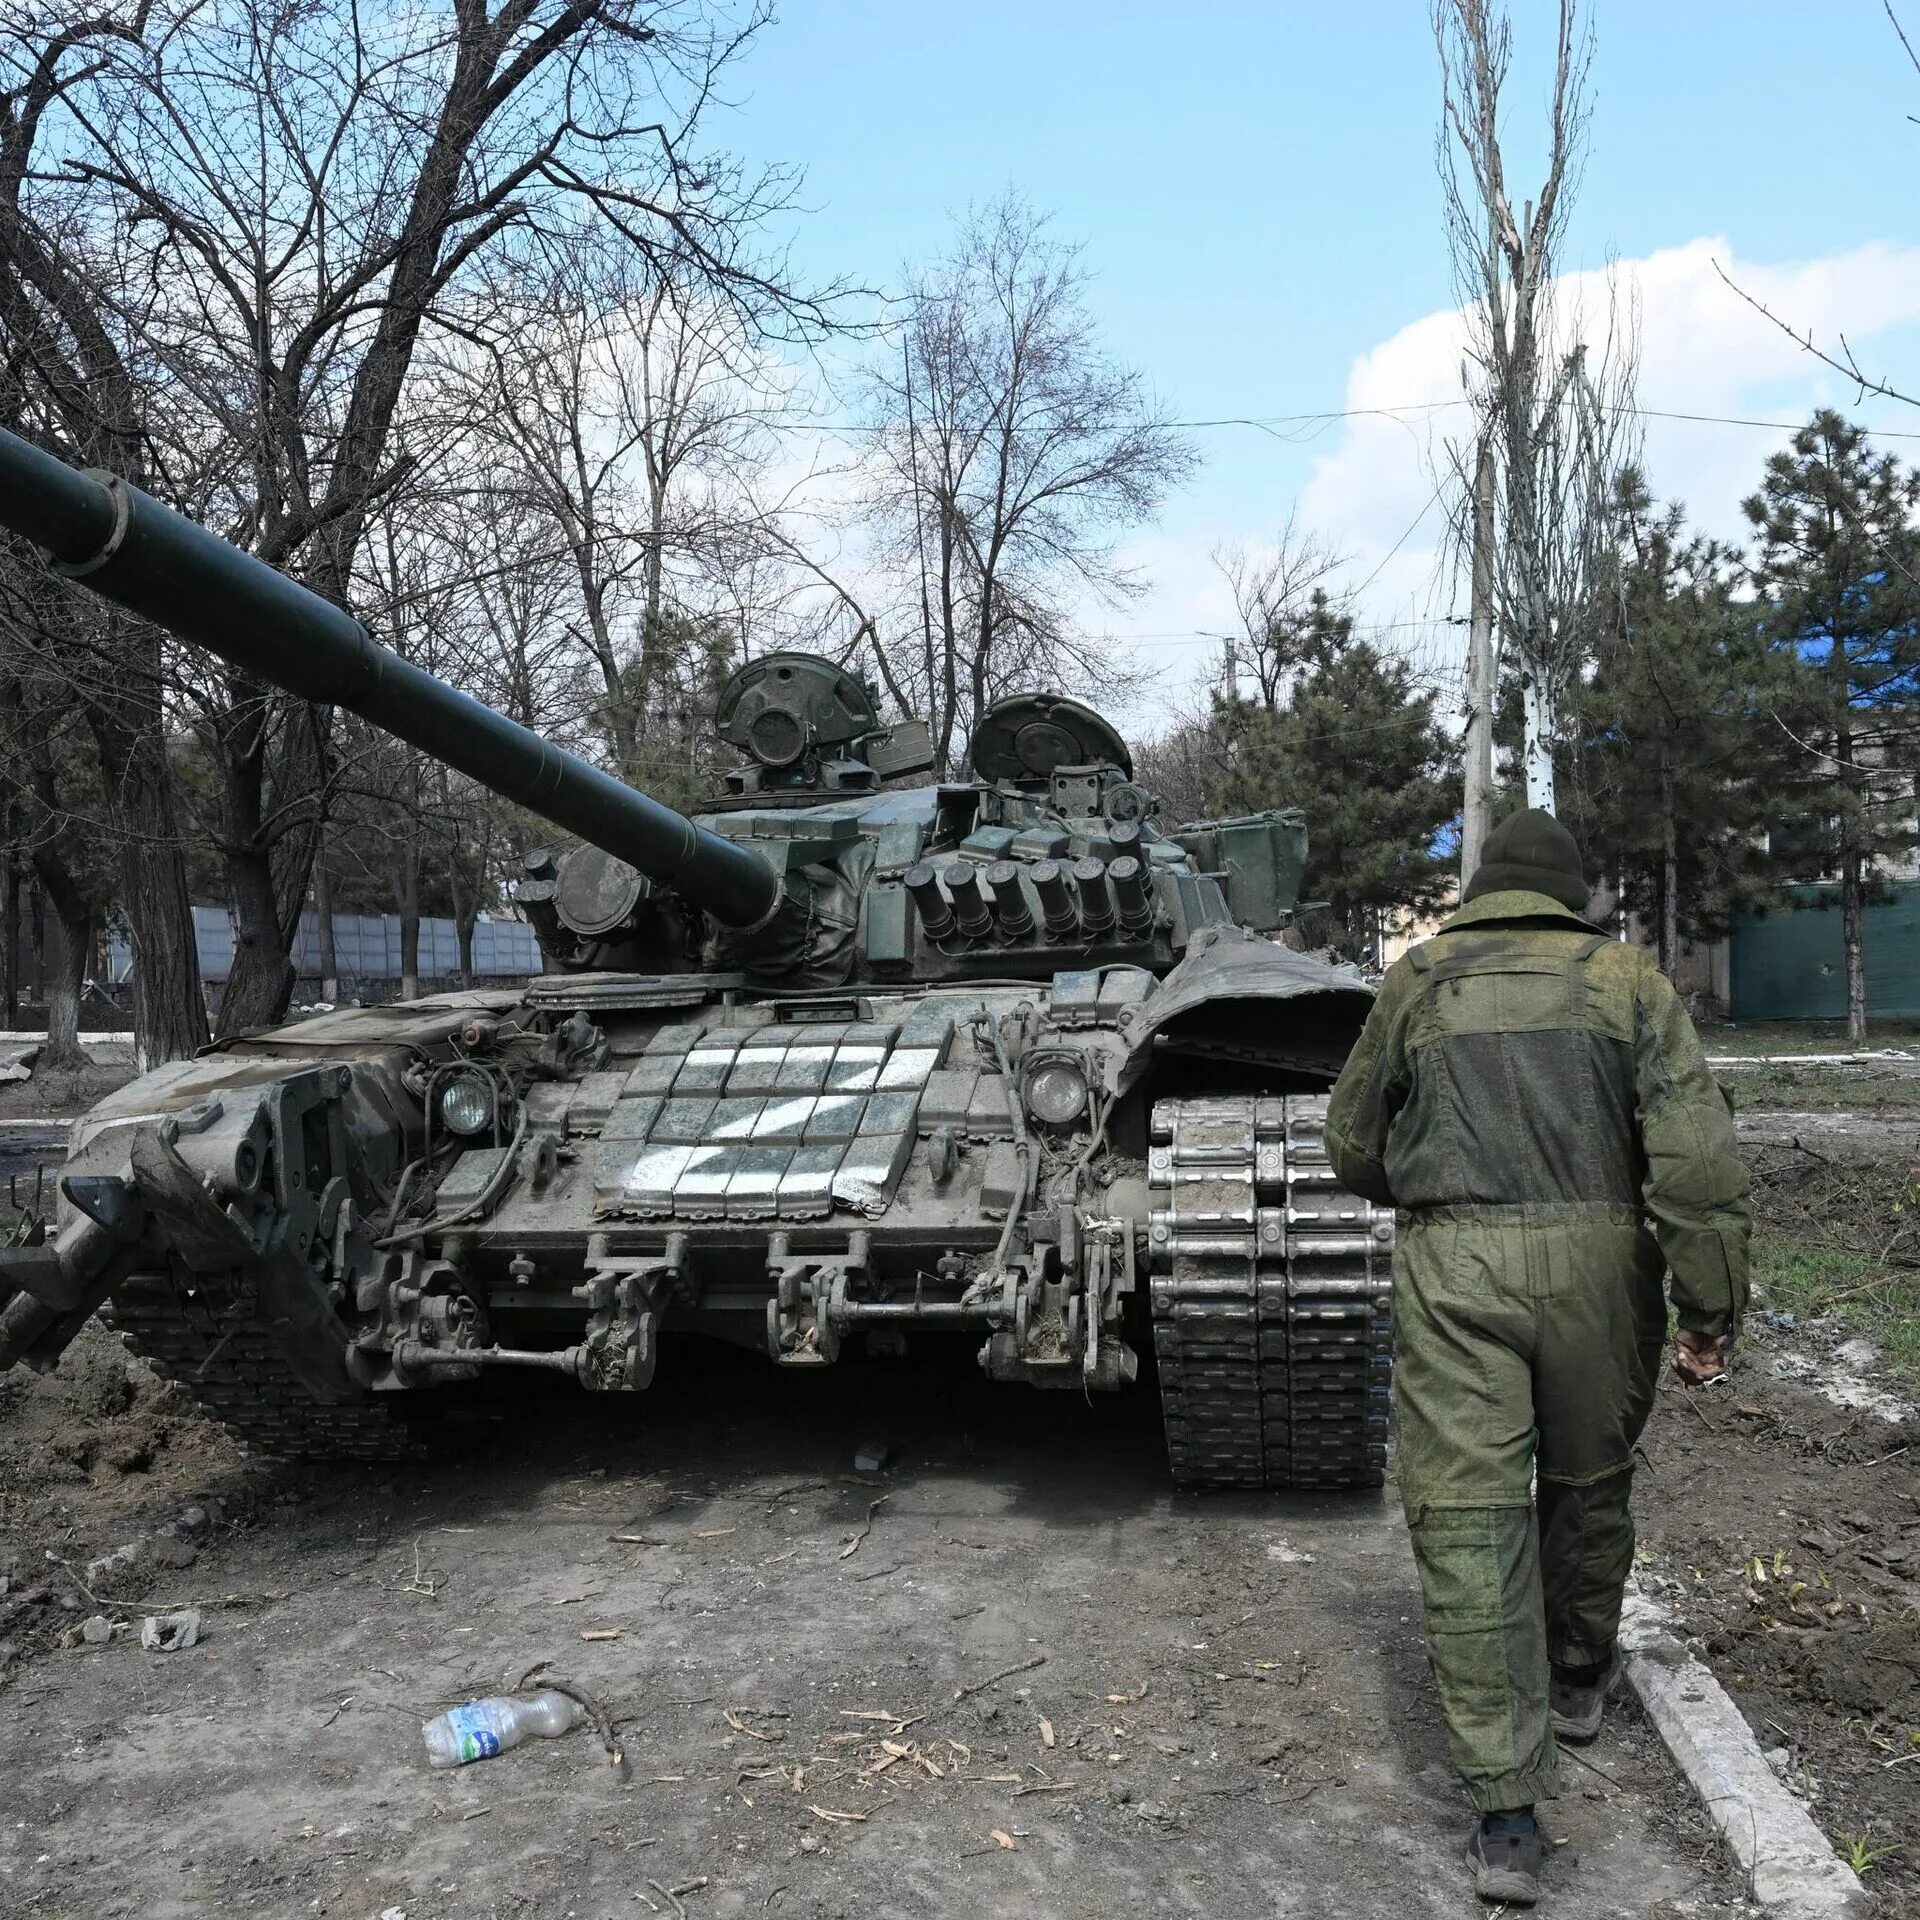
(1238, 996)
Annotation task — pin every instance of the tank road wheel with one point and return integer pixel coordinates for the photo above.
(1271, 1288)
(206, 1336)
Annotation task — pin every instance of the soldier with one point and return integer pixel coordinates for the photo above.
(1533, 1098)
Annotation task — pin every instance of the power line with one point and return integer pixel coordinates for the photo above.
(1439, 487)
(1403, 413)
(1190, 636)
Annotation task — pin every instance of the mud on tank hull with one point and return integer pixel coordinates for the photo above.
(1075, 1171)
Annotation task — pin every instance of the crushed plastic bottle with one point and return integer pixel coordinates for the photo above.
(483, 1728)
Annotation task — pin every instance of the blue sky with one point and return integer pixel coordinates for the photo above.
(1255, 191)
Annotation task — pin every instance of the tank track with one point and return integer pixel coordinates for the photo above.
(1271, 1287)
(206, 1337)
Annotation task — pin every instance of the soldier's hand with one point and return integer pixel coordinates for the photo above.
(1701, 1357)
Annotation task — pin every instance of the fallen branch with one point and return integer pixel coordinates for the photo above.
(733, 1720)
(1574, 1754)
(994, 1679)
(602, 1720)
(854, 1539)
(145, 1605)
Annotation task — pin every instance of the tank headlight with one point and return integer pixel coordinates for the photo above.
(466, 1103)
(1056, 1093)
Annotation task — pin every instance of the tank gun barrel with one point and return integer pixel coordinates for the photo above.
(127, 547)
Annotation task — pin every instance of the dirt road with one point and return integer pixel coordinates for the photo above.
(1217, 1706)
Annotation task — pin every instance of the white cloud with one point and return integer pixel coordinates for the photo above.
(1702, 351)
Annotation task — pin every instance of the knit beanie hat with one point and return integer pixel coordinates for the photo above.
(1532, 850)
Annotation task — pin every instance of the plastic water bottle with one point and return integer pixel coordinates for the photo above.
(483, 1728)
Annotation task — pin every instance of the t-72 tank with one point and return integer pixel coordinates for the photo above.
(850, 1057)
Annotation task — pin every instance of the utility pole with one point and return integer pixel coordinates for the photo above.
(1477, 821)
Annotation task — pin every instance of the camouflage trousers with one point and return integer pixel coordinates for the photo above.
(1528, 1343)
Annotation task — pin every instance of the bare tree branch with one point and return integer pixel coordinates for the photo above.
(1554, 405)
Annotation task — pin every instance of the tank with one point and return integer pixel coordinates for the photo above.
(854, 1060)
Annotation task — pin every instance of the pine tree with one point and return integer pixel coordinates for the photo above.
(1680, 758)
(1837, 563)
(1351, 739)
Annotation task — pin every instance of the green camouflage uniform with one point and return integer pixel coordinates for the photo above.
(1533, 1098)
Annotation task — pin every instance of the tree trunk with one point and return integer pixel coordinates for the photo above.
(1537, 728)
(407, 887)
(653, 578)
(261, 983)
(1477, 811)
(1669, 869)
(1852, 916)
(323, 930)
(463, 918)
(10, 933)
(37, 946)
(169, 1003)
(69, 940)
(1852, 859)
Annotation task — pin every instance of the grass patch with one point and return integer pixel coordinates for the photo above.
(1808, 1036)
(1810, 1089)
(1883, 1303)
(1842, 1238)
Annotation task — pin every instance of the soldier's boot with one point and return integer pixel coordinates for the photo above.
(1577, 1697)
(1506, 1853)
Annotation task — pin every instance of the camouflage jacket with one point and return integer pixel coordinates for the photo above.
(1522, 1059)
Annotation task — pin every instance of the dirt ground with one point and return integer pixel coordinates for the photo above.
(1228, 1713)
(1785, 1530)
(66, 1091)
(1166, 1704)
(1781, 1514)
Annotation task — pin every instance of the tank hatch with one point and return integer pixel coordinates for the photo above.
(806, 725)
(1027, 738)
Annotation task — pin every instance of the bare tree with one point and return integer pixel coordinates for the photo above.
(1185, 763)
(1012, 453)
(1555, 407)
(1274, 593)
(275, 207)
(51, 801)
(67, 374)
(626, 411)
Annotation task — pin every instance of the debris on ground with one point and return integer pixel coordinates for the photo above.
(171, 1632)
(480, 1729)
(591, 1707)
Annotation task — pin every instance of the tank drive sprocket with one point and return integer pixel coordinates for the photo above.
(1271, 1289)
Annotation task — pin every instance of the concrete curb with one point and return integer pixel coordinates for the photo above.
(1787, 1861)
(88, 1038)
